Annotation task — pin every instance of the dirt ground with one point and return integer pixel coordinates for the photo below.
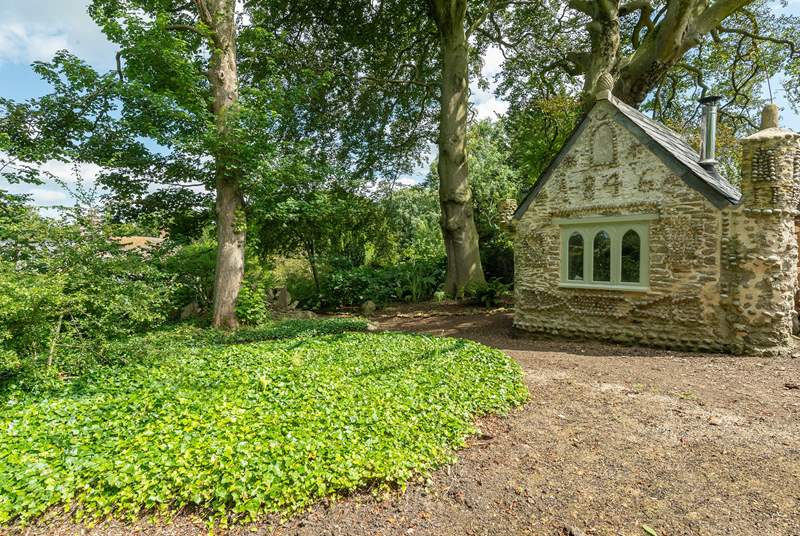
(615, 440)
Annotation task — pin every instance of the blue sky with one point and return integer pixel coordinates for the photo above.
(32, 30)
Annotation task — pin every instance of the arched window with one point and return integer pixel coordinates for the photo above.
(601, 267)
(575, 255)
(631, 257)
(605, 252)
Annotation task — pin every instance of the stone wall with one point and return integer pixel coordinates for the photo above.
(608, 172)
(760, 255)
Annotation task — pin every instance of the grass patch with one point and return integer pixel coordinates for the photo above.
(245, 429)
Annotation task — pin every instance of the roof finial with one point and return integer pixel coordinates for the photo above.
(605, 83)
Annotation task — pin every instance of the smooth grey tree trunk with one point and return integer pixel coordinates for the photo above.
(455, 197)
(219, 16)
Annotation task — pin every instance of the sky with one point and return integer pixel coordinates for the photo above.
(33, 30)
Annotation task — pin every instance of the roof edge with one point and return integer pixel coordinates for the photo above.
(692, 179)
(717, 198)
(554, 163)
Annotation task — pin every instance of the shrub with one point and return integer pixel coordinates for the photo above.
(192, 267)
(66, 290)
(488, 294)
(302, 288)
(410, 281)
(252, 306)
(30, 305)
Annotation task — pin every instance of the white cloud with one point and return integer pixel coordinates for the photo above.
(34, 30)
(70, 173)
(51, 193)
(492, 62)
(19, 43)
(485, 103)
(45, 196)
(490, 107)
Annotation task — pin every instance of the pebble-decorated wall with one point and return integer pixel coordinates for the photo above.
(719, 279)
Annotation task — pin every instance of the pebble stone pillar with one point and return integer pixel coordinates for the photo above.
(760, 253)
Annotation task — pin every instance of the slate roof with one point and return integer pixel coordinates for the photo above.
(664, 143)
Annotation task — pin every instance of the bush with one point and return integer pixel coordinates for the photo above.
(66, 290)
(248, 429)
(192, 266)
(302, 288)
(410, 281)
(252, 306)
(30, 305)
(488, 294)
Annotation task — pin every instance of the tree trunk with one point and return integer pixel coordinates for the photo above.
(604, 35)
(682, 27)
(455, 198)
(219, 15)
(312, 261)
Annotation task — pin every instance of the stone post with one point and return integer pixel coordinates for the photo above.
(759, 248)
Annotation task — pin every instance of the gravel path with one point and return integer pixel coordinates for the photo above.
(615, 440)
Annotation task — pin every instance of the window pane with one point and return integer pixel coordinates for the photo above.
(602, 257)
(631, 257)
(575, 254)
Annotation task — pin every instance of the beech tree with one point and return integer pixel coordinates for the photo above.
(658, 52)
(417, 58)
(455, 197)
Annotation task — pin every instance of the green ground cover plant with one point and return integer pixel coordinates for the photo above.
(238, 430)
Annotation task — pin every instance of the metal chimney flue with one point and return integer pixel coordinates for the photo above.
(708, 130)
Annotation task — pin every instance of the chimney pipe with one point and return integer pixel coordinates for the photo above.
(708, 130)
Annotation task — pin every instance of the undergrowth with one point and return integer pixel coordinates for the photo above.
(186, 418)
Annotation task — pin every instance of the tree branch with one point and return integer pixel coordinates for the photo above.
(757, 37)
(716, 13)
(633, 6)
(202, 10)
(698, 76)
(118, 57)
(384, 81)
(583, 6)
(491, 7)
(186, 28)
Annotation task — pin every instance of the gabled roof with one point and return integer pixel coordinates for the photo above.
(663, 142)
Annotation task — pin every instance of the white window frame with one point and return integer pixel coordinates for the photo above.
(616, 227)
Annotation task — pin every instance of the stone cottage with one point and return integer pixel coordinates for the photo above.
(632, 236)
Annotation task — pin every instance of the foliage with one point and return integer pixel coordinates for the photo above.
(66, 289)
(412, 214)
(663, 55)
(310, 211)
(536, 130)
(192, 266)
(252, 307)
(409, 281)
(289, 329)
(489, 294)
(241, 430)
(29, 307)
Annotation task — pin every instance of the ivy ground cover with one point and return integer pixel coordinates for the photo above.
(237, 430)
